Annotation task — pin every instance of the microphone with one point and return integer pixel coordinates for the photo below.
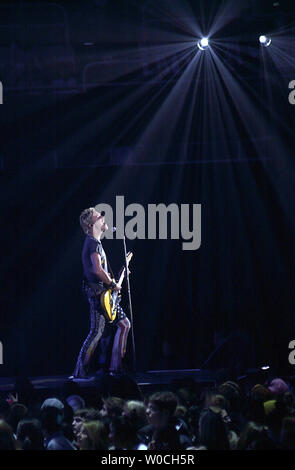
(114, 229)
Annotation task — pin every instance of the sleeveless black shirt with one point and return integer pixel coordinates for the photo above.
(92, 245)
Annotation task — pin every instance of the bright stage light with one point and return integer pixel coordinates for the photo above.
(265, 40)
(203, 44)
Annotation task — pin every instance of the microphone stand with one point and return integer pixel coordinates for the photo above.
(130, 305)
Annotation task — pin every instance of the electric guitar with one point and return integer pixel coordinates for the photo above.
(109, 299)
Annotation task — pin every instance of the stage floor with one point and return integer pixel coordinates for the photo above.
(143, 379)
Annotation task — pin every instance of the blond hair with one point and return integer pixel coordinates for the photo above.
(97, 435)
(86, 221)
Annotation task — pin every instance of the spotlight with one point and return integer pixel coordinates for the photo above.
(203, 44)
(265, 40)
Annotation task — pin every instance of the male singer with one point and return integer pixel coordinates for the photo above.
(97, 278)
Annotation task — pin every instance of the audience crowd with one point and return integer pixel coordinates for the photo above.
(223, 417)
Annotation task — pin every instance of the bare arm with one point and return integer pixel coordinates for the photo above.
(98, 269)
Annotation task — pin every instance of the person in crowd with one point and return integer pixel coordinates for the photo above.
(213, 431)
(29, 434)
(52, 414)
(75, 402)
(4, 409)
(186, 395)
(255, 436)
(233, 396)
(275, 411)
(254, 408)
(213, 398)
(135, 411)
(288, 433)
(67, 423)
(93, 435)
(123, 435)
(181, 412)
(80, 417)
(288, 399)
(261, 393)
(112, 407)
(278, 387)
(165, 439)
(160, 411)
(17, 413)
(218, 403)
(192, 419)
(7, 439)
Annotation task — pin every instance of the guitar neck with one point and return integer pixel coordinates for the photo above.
(119, 283)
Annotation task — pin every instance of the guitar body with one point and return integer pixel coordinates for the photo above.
(109, 301)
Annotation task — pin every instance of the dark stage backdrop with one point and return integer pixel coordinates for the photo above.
(139, 122)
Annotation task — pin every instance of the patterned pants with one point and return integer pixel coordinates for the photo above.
(97, 321)
(120, 341)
